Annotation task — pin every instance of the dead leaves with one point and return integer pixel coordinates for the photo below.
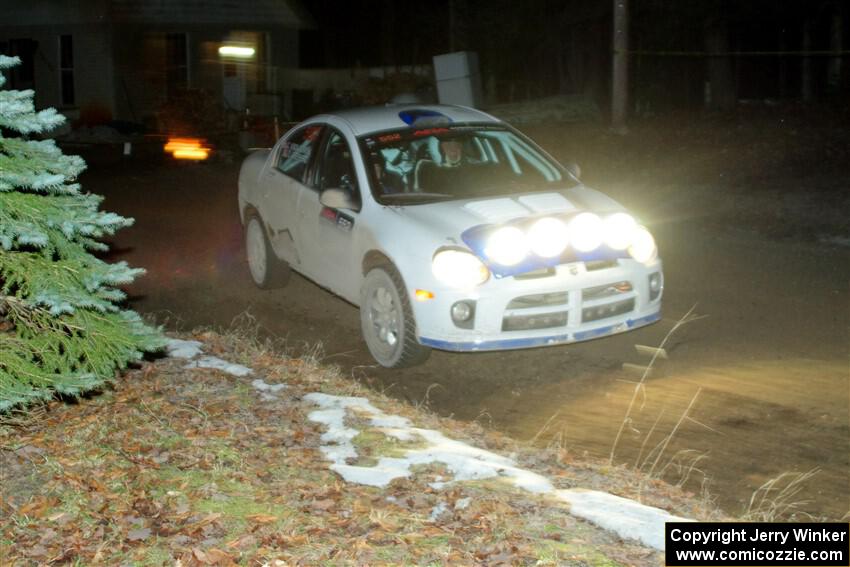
(189, 466)
(323, 505)
(212, 556)
(37, 507)
(139, 534)
(261, 518)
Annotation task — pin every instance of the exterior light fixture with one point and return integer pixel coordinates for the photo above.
(238, 51)
(187, 148)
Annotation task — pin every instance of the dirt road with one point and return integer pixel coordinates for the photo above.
(765, 371)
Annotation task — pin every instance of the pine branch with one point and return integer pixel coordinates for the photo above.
(61, 327)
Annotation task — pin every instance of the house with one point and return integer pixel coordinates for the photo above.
(101, 60)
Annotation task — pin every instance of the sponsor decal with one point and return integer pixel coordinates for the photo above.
(341, 220)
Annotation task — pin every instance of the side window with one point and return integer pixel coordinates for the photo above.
(336, 170)
(297, 150)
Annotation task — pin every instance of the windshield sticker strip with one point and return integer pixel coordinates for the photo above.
(431, 131)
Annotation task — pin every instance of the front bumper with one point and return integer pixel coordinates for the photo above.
(591, 303)
(531, 342)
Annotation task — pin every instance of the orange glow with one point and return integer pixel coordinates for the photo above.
(192, 153)
(187, 148)
(423, 295)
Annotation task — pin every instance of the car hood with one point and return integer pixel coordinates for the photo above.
(450, 219)
(469, 222)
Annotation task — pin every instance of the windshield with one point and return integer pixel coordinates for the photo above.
(415, 166)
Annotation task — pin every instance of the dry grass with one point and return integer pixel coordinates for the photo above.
(778, 499)
(640, 388)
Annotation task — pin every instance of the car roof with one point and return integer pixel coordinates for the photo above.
(378, 118)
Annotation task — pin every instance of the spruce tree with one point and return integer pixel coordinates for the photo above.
(61, 327)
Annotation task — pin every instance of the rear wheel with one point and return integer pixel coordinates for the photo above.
(267, 270)
(386, 320)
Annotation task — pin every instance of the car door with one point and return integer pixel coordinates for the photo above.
(282, 184)
(329, 235)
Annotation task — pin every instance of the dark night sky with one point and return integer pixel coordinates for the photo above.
(374, 32)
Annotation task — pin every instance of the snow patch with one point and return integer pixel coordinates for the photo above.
(387, 470)
(438, 511)
(219, 364)
(390, 421)
(627, 518)
(178, 348)
(269, 388)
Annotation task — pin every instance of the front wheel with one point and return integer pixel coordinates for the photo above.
(266, 269)
(386, 320)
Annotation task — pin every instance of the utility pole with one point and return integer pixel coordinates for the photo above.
(620, 78)
(806, 90)
(452, 26)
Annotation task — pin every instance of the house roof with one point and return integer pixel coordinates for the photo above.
(272, 12)
(289, 13)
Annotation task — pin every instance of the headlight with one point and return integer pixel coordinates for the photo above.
(619, 229)
(643, 247)
(585, 232)
(507, 246)
(548, 237)
(459, 269)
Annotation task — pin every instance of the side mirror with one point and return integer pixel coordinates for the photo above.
(335, 198)
(574, 170)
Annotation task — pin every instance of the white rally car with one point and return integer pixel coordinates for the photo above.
(449, 229)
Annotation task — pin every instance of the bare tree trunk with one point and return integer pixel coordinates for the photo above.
(721, 85)
(388, 24)
(806, 66)
(620, 78)
(783, 65)
(833, 76)
(563, 74)
(452, 26)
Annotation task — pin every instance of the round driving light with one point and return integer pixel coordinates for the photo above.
(585, 232)
(507, 246)
(548, 237)
(655, 286)
(655, 282)
(461, 311)
(618, 230)
(643, 246)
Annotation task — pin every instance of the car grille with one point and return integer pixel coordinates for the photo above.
(607, 290)
(596, 265)
(539, 300)
(536, 321)
(607, 310)
(549, 310)
(535, 274)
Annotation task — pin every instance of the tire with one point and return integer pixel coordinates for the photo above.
(266, 269)
(386, 320)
